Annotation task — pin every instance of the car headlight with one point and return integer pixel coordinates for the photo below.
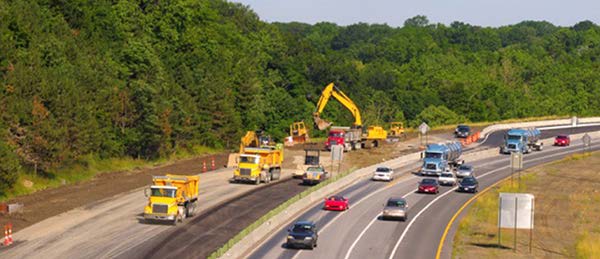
(309, 238)
(290, 237)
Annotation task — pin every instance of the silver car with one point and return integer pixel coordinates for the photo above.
(464, 171)
(395, 208)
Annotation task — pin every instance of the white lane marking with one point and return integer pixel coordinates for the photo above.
(450, 191)
(355, 204)
(366, 228)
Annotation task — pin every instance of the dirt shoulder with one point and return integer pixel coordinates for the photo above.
(48, 203)
(566, 217)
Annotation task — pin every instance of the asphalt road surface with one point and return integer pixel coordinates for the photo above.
(360, 233)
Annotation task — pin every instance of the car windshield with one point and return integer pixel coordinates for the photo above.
(302, 228)
(336, 198)
(468, 181)
(428, 181)
(383, 169)
(464, 168)
(433, 155)
(447, 175)
(463, 128)
(162, 192)
(561, 137)
(396, 203)
(318, 169)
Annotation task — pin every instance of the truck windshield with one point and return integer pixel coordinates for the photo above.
(336, 134)
(514, 137)
(248, 159)
(433, 155)
(160, 192)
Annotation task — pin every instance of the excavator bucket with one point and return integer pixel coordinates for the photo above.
(321, 124)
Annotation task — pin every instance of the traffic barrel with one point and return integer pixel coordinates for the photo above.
(212, 163)
(203, 166)
(10, 239)
(7, 235)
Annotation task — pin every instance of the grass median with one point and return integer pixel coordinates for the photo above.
(566, 214)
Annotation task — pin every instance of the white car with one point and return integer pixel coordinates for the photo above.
(447, 178)
(383, 173)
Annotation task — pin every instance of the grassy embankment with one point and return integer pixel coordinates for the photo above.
(89, 167)
(566, 217)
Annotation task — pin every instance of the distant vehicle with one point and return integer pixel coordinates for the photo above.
(440, 157)
(303, 234)
(468, 184)
(562, 140)
(395, 208)
(383, 173)
(429, 185)
(336, 202)
(462, 131)
(447, 178)
(464, 170)
(314, 175)
(522, 140)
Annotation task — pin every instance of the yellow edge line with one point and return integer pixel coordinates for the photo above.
(441, 245)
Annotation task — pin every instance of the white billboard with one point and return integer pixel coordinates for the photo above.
(516, 208)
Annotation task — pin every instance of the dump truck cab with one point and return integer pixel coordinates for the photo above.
(171, 197)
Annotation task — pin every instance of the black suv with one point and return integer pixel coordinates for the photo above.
(462, 131)
(302, 234)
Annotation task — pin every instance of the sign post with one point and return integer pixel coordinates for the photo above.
(587, 141)
(423, 129)
(516, 211)
(516, 163)
(337, 154)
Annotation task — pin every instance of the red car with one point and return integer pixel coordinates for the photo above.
(562, 140)
(429, 185)
(336, 203)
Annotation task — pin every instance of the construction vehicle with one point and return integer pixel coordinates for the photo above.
(314, 175)
(259, 164)
(396, 130)
(172, 197)
(350, 137)
(253, 139)
(312, 157)
(299, 132)
(441, 157)
(522, 140)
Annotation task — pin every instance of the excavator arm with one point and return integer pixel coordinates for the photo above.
(329, 91)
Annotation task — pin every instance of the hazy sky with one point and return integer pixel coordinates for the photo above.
(395, 12)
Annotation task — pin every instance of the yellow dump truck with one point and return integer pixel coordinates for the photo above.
(172, 197)
(259, 165)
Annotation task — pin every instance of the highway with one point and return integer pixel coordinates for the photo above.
(360, 233)
(113, 227)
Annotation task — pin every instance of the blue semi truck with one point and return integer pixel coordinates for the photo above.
(441, 157)
(522, 141)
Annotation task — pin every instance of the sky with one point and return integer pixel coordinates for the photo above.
(492, 13)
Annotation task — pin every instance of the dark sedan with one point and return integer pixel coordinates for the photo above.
(468, 184)
(302, 234)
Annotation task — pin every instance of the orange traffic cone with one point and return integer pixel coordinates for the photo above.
(203, 166)
(212, 163)
(10, 239)
(7, 240)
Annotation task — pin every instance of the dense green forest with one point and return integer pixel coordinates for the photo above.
(144, 78)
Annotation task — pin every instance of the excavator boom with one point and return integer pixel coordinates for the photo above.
(329, 91)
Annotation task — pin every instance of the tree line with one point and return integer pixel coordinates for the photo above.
(145, 78)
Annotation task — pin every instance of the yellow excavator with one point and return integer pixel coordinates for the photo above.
(299, 132)
(349, 137)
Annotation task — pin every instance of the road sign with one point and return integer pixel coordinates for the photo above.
(519, 214)
(516, 160)
(587, 140)
(337, 152)
(423, 128)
